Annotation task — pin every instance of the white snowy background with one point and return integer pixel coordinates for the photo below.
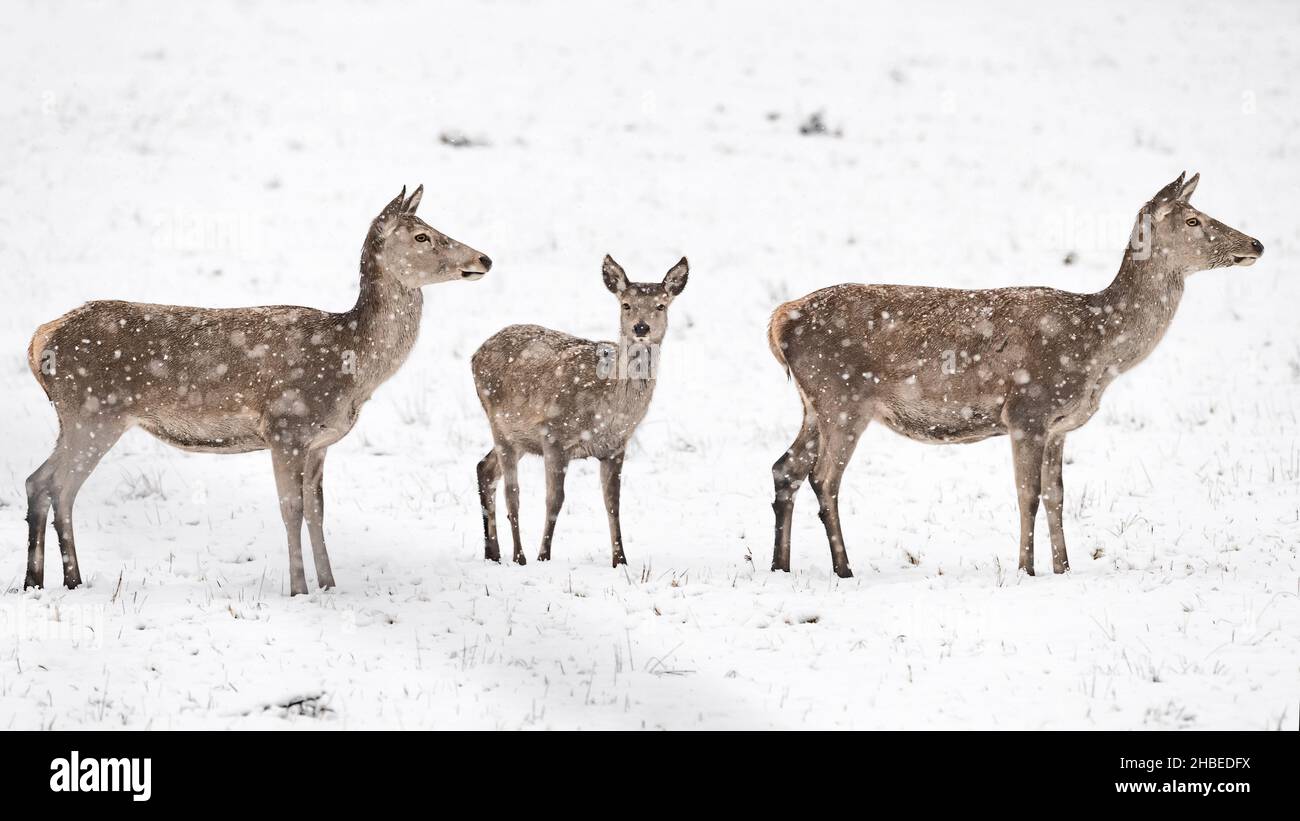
(231, 154)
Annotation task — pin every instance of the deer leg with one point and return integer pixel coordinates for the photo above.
(611, 481)
(1027, 447)
(556, 468)
(788, 474)
(289, 464)
(510, 470)
(1054, 498)
(80, 455)
(38, 508)
(836, 441)
(313, 502)
(489, 471)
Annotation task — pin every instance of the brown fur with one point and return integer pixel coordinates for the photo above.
(561, 397)
(282, 378)
(950, 365)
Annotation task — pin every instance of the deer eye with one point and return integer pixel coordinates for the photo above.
(627, 307)
(1193, 222)
(659, 307)
(421, 237)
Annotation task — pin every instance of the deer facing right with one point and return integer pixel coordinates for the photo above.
(282, 378)
(947, 365)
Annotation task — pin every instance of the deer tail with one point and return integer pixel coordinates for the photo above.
(37, 347)
(40, 350)
(776, 326)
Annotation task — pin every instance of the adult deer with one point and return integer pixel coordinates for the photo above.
(948, 365)
(281, 378)
(561, 397)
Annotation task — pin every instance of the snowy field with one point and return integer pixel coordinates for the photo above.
(233, 153)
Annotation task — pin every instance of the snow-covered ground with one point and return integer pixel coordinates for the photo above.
(232, 154)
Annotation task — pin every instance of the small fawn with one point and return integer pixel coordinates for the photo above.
(949, 365)
(551, 394)
(281, 378)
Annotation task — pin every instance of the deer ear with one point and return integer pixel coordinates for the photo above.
(394, 206)
(675, 280)
(1188, 187)
(1163, 202)
(615, 278)
(414, 202)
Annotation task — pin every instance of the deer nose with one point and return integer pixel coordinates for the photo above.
(485, 262)
(640, 329)
(1257, 246)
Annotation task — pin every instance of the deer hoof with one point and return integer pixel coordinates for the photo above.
(33, 583)
(521, 559)
(844, 572)
(785, 568)
(1061, 568)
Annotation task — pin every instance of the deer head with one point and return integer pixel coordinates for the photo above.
(1187, 240)
(644, 305)
(411, 251)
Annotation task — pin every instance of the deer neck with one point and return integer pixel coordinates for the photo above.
(1138, 305)
(385, 321)
(637, 372)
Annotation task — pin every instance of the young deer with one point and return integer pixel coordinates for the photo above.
(946, 365)
(287, 379)
(564, 398)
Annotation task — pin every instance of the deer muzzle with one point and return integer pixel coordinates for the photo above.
(1249, 255)
(484, 262)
